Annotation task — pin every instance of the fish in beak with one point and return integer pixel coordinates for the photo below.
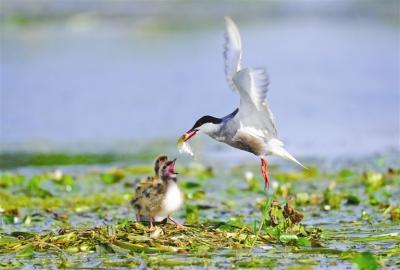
(182, 144)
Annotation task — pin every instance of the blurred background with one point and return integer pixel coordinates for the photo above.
(100, 76)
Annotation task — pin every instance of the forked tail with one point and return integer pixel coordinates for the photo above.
(276, 148)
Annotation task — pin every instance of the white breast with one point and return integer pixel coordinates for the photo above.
(172, 202)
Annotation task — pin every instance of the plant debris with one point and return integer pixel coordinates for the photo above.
(77, 218)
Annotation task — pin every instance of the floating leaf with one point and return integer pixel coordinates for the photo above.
(288, 237)
(112, 176)
(395, 214)
(34, 188)
(26, 252)
(352, 199)
(365, 261)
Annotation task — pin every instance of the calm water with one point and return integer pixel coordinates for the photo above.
(334, 83)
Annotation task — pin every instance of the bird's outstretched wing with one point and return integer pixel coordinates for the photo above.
(256, 121)
(232, 51)
(252, 85)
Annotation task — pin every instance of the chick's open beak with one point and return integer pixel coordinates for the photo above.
(189, 134)
(171, 167)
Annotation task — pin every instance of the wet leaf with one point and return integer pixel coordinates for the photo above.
(288, 237)
(26, 252)
(352, 199)
(34, 189)
(112, 177)
(365, 261)
(395, 214)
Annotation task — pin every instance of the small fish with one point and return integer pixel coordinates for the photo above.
(184, 147)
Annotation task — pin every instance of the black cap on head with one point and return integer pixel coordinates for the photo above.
(206, 119)
(214, 120)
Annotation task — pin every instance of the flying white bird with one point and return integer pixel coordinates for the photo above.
(250, 127)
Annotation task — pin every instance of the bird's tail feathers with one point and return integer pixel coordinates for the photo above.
(276, 148)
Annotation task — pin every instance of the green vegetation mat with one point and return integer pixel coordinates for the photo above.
(79, 216)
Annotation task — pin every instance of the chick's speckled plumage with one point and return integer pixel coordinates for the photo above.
(160, 160)
(158, 196)
(149, 196)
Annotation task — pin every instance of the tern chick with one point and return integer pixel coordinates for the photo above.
(158, 197)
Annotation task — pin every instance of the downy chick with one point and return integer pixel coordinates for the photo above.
(160, 160)
(159, 196)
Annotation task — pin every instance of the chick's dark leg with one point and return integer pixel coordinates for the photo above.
(264, 170)
(178, 225)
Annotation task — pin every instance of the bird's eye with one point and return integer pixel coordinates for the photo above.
(164, 167)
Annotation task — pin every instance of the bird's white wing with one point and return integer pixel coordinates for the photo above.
(252, 85)
(232, 51)
(255, 118)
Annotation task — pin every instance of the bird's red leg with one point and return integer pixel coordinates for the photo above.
(264, 170)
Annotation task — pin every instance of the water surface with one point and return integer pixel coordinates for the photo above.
(334, 82)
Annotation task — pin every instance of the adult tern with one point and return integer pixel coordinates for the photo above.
(251, 127)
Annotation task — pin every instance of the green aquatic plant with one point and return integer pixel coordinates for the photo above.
(305, 198)
(253, 183)
(131, 237)
(304, 174)
(283, 224)
(12, 160)
(394, 213)
(86, 213)
(331, 199)
(192, 214)
(10, 180)
(113, 176)
(126, 237)
(34, 188)
(365, 261)
(372, 181)
(254, 262)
